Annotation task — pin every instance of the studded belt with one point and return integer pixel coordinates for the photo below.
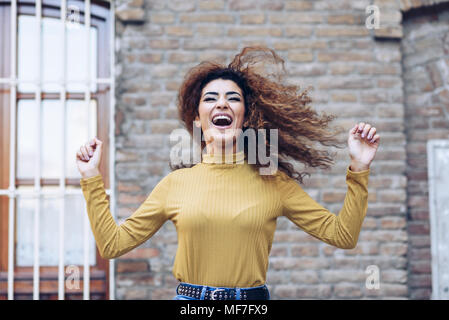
(221, 293)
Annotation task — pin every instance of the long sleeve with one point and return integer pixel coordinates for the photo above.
(340, 230)
(113, 240)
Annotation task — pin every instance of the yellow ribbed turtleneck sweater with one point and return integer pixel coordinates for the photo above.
(225, 216)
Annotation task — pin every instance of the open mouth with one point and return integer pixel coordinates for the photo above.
(222, 120)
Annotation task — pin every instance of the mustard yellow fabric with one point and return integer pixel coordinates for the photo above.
(225, 216)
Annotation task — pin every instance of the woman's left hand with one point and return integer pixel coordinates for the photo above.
(363, 142)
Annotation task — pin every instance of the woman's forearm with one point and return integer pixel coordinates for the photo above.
(102, 223)
(115, 240)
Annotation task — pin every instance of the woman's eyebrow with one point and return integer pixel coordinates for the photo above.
(216, 93)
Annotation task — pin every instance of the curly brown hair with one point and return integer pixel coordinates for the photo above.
(270, 103)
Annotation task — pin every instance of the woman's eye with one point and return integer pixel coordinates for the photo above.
(213, 99)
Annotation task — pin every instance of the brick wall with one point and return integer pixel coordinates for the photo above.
(425, 49)
(327, 47)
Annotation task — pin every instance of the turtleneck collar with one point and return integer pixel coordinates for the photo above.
(234, 158)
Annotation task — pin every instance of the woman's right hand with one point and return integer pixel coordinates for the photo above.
(88, 158)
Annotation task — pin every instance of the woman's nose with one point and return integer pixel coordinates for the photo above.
(222, 103)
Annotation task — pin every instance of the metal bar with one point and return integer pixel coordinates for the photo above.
(12, 149)
(60, 83)
(61, 275)
(112, 139)
(37, 173)
(86, 276)
(33, 194)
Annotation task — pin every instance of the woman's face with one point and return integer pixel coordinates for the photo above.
(221, 112)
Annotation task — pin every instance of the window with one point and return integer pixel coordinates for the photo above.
(56, 91)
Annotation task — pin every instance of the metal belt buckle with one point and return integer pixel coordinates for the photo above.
(213, 293)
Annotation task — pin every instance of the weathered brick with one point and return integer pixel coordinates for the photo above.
(393, 276)
(287, 18)
(206, 18)
(147, 114)
(349, 19)
(304, 250)
(306, 277)
(420, 254)
(141, 253)
(164, 71)
(211, 5)
(420, 280)
(278, 277)
(242, 4)
(346, 290)
(299, 44)
(272, 5)
(393, 222)
(303, 32)
(150, 58)
(182, 57)
(135, 294)
(317, 291)
(212, 56)
(164, 44)
(344, 97)
(279, 250)
(342, 32)
(300, 56)
(178, 31)
(138, 279)
(123, 156)
(162, 18)
(254, 31)
(164, 126)
(339, 68)
(298, 5)
(131, 266)
(252, 18)
(364, 248)
(392, 196)
(344, 56)
(127, 187)
(394, 290)
(163, 293)
(130, 14)
(335, 276)
(181, 5)
(393, 249)
(209, 30)
(285, 291)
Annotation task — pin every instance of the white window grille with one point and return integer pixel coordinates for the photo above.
(60, 197)
(438, 161)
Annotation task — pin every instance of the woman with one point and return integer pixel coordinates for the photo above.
(225, 211)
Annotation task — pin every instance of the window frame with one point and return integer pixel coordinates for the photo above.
(101, 19)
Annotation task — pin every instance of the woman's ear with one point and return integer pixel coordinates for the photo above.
(197, 122)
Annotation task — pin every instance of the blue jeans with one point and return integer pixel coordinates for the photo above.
(184, 297)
